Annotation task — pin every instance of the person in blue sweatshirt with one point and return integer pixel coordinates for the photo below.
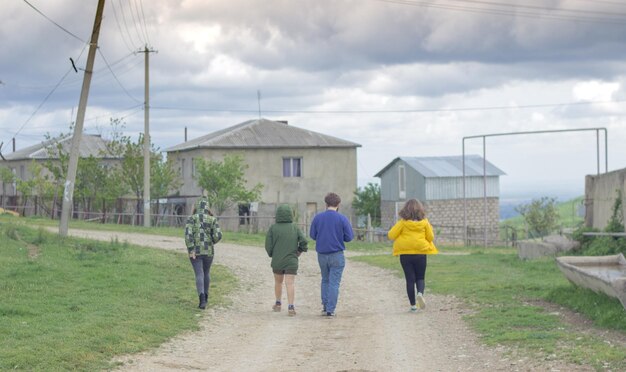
(331, 230)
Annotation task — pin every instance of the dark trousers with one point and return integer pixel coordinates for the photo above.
(414, 266)
(202, 268)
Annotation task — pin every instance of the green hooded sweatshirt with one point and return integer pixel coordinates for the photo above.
(284, 240)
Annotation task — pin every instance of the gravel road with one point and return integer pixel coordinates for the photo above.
(373, 330)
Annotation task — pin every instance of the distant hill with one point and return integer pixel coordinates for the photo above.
(572, 212)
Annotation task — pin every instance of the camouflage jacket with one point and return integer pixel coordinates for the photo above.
(202, 230)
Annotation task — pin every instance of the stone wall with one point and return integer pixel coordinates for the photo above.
(446, 216)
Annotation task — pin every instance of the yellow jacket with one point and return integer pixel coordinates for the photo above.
(412, 237)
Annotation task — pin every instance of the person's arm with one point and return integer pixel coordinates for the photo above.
(348, 234)
(216, 232)
(190, 241)
(269, 243)
(430, 235)
(313, 231)
(395, 231)
(302, 242)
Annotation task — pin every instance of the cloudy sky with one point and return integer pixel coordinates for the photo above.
(401, 78)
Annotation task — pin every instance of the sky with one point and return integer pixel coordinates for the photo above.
(398, 77)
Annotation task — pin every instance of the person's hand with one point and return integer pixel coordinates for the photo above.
(299, 253)
(192, 255)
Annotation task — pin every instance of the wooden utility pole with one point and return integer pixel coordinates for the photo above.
(146, 140)
(72, 167)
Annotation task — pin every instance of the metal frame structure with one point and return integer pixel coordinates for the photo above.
(484, 137)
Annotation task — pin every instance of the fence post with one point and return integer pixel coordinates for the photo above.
(370, 235)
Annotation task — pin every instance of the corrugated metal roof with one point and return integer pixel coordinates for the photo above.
(447, 166)
(262, 133)
(90, 145)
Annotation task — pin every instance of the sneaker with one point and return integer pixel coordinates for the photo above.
(330, 315)
(292, 311)
(413, 309)
(420, 301)
(276, 307)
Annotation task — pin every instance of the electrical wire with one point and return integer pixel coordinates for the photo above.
(49, 94)
(122, 35)
(128, 33)
(115, 76)
(56, 24)
(143, 17)
(484, 108)
(139, 21)
(618, 20)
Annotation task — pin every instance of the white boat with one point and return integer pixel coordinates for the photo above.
(606, 274)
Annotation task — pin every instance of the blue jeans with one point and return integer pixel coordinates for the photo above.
(332, 266)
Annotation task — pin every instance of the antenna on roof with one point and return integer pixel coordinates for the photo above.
(258, 95)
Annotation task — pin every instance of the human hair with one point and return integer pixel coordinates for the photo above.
(412, 210)
(332, 199)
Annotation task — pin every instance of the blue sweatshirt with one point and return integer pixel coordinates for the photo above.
(330, 230)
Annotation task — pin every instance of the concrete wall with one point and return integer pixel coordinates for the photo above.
(600, 195)
(323, 170)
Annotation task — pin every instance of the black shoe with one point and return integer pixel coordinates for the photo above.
(203, 299)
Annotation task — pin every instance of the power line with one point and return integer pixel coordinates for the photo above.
(618, 20)
(139, 20)
(126, 24)
(484, 108)
(115, 76)
(122, 35)
(143, 17)
(49, 94)
(56, 24)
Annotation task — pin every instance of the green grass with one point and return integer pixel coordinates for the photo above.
(504, 294)
(70, 304)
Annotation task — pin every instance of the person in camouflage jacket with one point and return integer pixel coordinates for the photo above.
(202, 232)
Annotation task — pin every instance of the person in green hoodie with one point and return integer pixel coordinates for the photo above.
(413, 239)
(202, 232)
(284, 243)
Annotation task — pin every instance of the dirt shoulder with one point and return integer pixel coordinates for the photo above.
(373, 330)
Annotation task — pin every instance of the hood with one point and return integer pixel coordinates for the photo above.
(202, 206)
(415, 225)
(284, 214)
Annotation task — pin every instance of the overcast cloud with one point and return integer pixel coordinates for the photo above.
(434, 73)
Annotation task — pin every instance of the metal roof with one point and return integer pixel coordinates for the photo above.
(447, 166)
(262, 133)
(90, 145)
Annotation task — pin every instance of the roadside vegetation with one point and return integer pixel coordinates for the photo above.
(543, 216)
(74, 304)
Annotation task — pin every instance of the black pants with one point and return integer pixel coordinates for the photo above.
(202, 268)
(414, 266)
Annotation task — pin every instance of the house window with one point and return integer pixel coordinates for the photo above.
(182, 168)
(292, 167)
(193, 167)
(402, 181)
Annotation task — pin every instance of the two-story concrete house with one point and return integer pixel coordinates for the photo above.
(294, 165)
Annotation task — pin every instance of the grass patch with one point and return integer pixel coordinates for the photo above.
(502, 290)
(79, 303)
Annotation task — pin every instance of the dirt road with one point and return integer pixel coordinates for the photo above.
(373, 330)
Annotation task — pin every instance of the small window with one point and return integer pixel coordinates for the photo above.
(182, 168)
(292, 167)
(193, 167)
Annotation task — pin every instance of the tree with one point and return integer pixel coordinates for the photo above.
(7, 177)
(224, 182)
(540, 215)
(163, 179)
(367, 201)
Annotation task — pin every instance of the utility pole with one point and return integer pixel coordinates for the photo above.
(72, 167)
(146, 140)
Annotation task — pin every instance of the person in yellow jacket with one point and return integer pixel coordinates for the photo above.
(413, 239)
